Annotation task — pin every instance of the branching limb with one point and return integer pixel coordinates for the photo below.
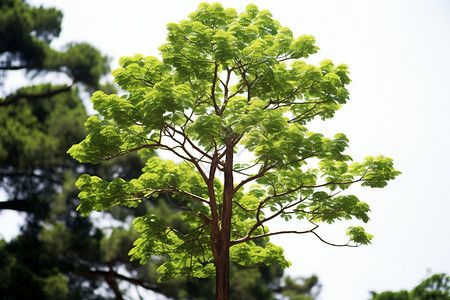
(332, 244)
(189, 141)
(193, 196)
(144, 81)
(260, 222)
(111, 273)
(49, 93)
(317, 186)
(213, 90)
(14, 68)
(263, 171)
(196, 61)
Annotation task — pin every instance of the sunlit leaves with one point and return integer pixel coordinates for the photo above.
(103, 141)
(97, 194)
(303, 46)
(326, 208)
(205, 129)
(156, 238)
(138, 72)
(251, 255)
(213, 15)
(187, 255)
(358, 235)
(376, 171)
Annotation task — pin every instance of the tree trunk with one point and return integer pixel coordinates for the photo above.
(224, 234)
(223, 274)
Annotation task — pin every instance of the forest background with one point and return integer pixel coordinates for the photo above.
(398, 58)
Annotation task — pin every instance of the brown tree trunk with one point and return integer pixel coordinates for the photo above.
(223, 273)
(224, 234)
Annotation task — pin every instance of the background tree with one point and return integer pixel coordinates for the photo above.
(436, 287)
(308, 289)
(224, 87)
(59, 254)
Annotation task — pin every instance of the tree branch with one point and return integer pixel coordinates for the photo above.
(225, 88)
(111, 273)
(213, 90)
(12, 68)
(296, 232)
(49, 93)
(265, 168)
(282, 210)
(18, 205)
(189, 194)
(186, 139)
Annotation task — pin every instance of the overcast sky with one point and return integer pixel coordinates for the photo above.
(398, 54)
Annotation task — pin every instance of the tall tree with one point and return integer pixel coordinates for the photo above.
(225, 87)
(38, 124)
(34, 136)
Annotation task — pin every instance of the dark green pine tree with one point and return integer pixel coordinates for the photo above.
(59, 254)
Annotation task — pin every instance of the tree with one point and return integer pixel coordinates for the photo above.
(309, 289)
(224, 87)
(436, 287)
(26, 33)
(34, 137)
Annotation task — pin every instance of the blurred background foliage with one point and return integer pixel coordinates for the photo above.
(435, 287)
(59, 254)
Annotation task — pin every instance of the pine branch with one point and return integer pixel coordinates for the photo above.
(49, 93)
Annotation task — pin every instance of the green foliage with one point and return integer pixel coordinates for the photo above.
(17, 23)
(251, 255)
(436, 287)
(228, 83)
(307, 289)
(55, 287)
(34, 129)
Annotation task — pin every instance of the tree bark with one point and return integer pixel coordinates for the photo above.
(223, 272)
(223, 238)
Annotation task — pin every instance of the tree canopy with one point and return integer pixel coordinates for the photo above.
(26, 33)
(231, 99)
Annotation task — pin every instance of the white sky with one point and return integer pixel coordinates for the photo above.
(398, 54)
